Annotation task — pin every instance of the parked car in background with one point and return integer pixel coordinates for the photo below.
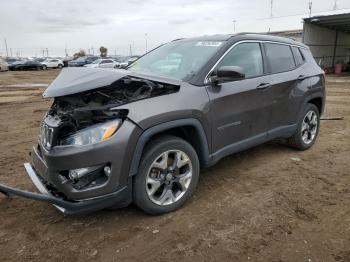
(127, 61)
(103, 63)
(11, 60)
(81, 61)
(52, 63)
(26, 65)
(40, 60)
(3, 65)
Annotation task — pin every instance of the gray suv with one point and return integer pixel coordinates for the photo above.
(112, 137)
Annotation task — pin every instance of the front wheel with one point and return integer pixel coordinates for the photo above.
(307, 130)
(44, 67)
(168, 175)
(60, 66)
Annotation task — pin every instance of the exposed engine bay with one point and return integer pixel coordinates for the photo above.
(71, 113)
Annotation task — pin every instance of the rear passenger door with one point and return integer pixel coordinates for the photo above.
(288, 79)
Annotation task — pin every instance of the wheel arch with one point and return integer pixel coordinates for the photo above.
(189, 129)
(318, 102)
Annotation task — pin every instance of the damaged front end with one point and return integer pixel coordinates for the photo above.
(81, 161)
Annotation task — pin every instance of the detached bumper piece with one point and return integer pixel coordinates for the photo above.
(68, 207)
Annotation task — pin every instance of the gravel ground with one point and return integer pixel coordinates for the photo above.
(270, 203)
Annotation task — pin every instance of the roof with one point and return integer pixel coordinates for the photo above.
(339, 22)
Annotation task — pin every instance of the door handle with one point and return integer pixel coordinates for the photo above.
(301, 77)
(263, 86)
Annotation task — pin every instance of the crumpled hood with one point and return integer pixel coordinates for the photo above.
(75, 80)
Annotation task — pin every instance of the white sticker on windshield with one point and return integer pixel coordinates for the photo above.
(209, 43)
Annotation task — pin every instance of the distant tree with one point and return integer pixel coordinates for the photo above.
(79, 54)
(103, 51)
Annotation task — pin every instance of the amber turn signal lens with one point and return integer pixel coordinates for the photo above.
(109, 132)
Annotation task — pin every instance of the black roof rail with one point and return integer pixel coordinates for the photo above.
(177, 39)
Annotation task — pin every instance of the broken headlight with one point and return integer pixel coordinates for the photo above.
(93, 134)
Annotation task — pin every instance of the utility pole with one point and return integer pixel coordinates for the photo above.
(7, 52)
(47, 52)
(11, 52)
(271, 8)
(93, 51)
(130, 50)
(146, 42)
(234, 26)
(335, 7)
(310, 8)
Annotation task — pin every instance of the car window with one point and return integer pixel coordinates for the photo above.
(247, 56)
(307, 54)
(299, 59)
(280, 57)
(106, 62)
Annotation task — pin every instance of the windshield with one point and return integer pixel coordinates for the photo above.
(97, 61)
(179, 59)
(11, 60)
(80, 59)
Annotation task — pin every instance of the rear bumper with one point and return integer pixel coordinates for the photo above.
(119, 198)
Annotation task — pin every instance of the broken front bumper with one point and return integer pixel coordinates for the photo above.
(67, 207)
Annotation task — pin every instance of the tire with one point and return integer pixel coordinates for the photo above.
(306, 133)
(177, 181)
(59, 66)
(44, 67)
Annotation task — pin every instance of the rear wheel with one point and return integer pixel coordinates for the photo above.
(307, 130)
(168, 175)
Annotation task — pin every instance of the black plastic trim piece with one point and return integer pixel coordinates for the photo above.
(147, 134)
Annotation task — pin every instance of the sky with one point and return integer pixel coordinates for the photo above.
(31, 26)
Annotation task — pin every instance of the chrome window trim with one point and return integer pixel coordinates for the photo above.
(206, 80)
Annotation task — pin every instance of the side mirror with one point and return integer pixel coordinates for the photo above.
(227, 74)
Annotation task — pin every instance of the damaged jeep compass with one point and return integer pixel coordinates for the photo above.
(113, 137)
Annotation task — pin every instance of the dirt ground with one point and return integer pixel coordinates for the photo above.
(270, 203)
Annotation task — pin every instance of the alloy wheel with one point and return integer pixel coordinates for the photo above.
(309, 127)
(169, 177)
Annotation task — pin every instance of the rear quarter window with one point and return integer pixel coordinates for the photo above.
(299, 58)
(280, 57)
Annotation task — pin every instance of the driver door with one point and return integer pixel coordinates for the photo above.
(240, 109)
